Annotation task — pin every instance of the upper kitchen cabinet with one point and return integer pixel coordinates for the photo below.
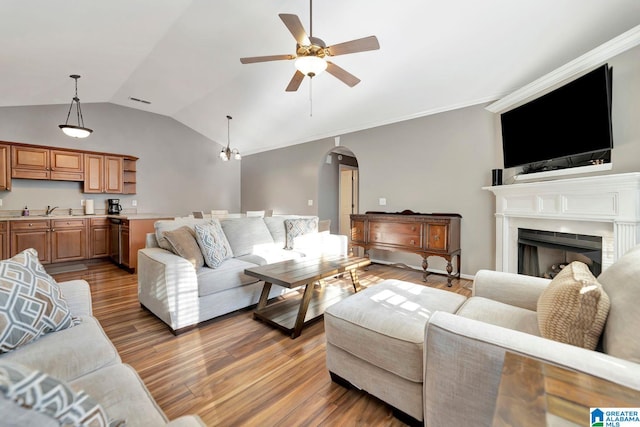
(43, 163)
(99, 172)
(103, 174)
(5, 167)
(30, 162)
(66, 165)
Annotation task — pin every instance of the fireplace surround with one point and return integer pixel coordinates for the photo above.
(607, 206)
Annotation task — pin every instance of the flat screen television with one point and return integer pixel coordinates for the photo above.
(574, 119)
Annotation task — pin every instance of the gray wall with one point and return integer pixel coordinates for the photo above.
(436, 163)
(179, 169)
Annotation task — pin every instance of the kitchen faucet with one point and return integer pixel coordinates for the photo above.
(50, 210)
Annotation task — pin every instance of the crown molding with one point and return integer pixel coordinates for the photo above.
(589, 60)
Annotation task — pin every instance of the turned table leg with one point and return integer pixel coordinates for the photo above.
(425, 265)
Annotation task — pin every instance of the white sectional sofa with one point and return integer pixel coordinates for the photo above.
(437, 358)
(74, 373)
(183, 295)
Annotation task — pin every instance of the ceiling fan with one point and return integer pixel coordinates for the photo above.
(311, 53)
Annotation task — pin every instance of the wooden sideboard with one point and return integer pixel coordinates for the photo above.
(423, 234)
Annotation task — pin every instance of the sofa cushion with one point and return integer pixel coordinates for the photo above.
(573, 308)
(245, 233)
(123, 395)
(47, 395)
(171, 224)
(84, 348)
(213, 243)
(500, 314)
(298, 227)
(31, 304)
(386, 320)
(183, 243)
(621, 281)
(229, 275)
(275, 225)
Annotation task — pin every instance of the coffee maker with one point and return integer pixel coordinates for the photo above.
(114, 207)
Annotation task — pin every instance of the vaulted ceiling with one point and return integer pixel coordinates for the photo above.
(183, 57)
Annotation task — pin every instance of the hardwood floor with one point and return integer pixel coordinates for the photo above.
(236, 371)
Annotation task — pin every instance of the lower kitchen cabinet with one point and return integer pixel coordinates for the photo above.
(4, 239)
(128, 236)
(31, 234)
(68, 240)
(99, 237)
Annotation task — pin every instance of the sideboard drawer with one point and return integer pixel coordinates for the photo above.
(400, 234)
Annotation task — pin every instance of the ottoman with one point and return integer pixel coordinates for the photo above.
(375, 341)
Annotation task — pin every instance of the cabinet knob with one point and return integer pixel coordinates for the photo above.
(30, 224)
(413, 242)
(53, 229)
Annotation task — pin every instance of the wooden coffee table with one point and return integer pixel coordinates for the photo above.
(292, 314)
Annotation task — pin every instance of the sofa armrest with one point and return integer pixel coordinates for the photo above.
(168, 287)
(463, 366)
(77, 294)
(514, 289)
(323, 243)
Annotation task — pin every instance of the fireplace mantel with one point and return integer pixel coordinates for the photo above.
(605, 205)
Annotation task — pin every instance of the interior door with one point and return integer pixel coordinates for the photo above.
(348, 197)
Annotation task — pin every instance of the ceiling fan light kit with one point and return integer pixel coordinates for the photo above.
(311, 53)
(79, 130)
(227, 152)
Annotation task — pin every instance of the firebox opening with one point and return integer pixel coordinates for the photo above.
(544, 253)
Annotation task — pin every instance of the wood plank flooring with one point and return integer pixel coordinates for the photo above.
(235, 371)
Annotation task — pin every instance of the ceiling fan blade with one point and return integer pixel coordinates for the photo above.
(342, 74)
(353, 46)
(292, 22)
(294, 84)
(253, 59)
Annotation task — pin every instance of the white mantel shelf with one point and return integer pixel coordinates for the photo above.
(606, 205)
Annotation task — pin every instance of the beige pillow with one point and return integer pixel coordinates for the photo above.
(183, 243)
(573, 308)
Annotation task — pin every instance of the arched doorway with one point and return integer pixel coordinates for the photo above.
(339, 184)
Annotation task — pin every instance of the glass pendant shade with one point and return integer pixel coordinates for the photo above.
(75, 131)
(310, 65)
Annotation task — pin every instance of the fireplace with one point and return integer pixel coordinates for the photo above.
(545, 253)
(605, 207)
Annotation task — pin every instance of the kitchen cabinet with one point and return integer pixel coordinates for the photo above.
(56, 240)
(99, 237)
(30, 162)
(31, 234)
(129, 176)
(4, 240)
(42, 163)
(5, 167)
(103, 174)
(68, 240)
(66, 165)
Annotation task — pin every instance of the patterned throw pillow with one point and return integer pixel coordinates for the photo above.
(298, 227)
(35, 390)
(183, 243)
(213, 243)
(31, 303)
(573, 308)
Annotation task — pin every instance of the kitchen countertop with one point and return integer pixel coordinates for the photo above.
(82, 216)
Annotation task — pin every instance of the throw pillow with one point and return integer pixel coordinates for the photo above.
(183, 243)
(31, 303)
(573, 308)
(213, 243)
(35, 390)
(298, 227)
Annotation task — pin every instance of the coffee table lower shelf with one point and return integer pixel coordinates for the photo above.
(283, 314)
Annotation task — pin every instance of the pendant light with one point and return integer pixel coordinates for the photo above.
(79, 131)
(226, 153)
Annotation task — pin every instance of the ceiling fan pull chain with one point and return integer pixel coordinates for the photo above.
(310, 97)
